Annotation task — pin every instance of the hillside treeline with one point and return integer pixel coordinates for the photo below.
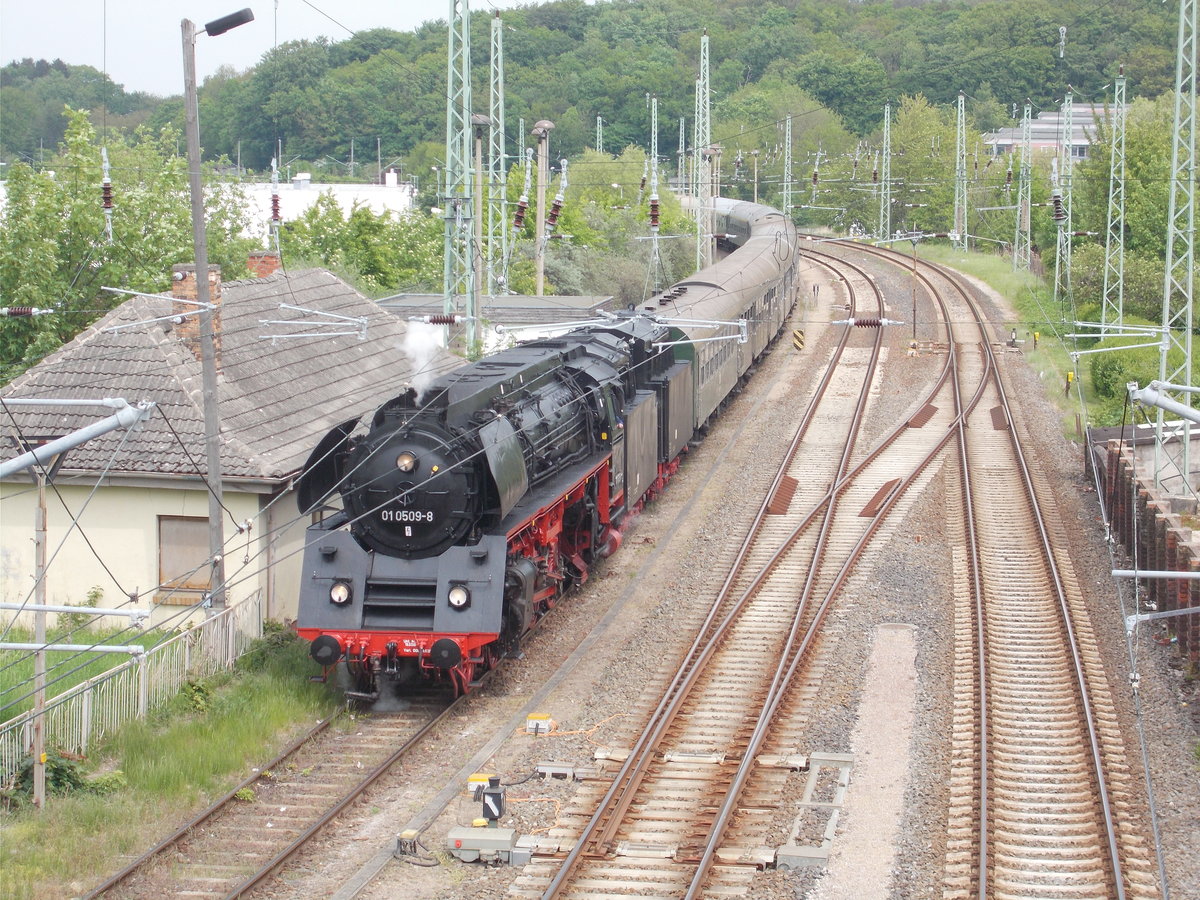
(570, 61)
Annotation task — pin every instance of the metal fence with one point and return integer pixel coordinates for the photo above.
(95, 708)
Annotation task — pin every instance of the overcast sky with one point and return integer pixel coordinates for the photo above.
(139, 44)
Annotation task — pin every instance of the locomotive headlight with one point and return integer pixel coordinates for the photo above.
(406, 462)
(340, 593)
(459, 596)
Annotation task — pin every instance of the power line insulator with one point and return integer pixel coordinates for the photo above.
(654, 213)
(875, 176)
(106, 194)
(555, 212)
(519, 216)
(1060, 214)
(276, 216)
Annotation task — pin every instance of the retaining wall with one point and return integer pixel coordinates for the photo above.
(1158, 531)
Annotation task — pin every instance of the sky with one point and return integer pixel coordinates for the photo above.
(139, 42)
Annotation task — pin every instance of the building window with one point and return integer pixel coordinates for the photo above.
(183, 568)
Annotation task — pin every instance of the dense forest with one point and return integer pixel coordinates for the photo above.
(829, 65)
(571, 61)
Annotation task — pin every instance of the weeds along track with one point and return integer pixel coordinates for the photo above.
(250, 833)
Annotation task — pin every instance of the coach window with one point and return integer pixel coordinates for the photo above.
(183, 567)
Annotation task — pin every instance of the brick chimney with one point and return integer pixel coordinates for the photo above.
(183, 287)
(263, 263)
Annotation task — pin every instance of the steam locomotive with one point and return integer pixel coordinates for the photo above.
(468, 511)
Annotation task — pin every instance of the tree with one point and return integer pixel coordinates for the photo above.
(380, 253)
(54, 253)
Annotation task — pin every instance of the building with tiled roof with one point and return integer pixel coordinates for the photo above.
(139, 495)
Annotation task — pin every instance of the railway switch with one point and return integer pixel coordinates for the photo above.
(488, 845)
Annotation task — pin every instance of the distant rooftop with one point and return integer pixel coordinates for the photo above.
(1047, 129)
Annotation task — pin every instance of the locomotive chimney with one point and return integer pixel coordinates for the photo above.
(187, 328)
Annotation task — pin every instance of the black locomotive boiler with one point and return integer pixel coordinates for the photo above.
(466, 512)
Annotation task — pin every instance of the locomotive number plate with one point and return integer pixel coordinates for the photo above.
(406, 515)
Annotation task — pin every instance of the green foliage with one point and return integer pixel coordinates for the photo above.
(54, 253)
(198, 695)
(380, 252)
(1112, 371)
(245, 795)
(34, 93)
(175, 762)
(1143, 282)
(64, 774)
(1148, 129)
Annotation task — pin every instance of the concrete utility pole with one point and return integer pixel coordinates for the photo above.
(208, 356)
(682, 151)
(1022, 244)
(1179, 277)
(541, 131)
(39, 635)
(1112, 310)
(885, 177)
(42, 457)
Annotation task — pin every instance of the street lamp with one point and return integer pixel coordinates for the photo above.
(208, 359)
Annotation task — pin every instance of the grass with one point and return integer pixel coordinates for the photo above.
(193, 750)
(1036, 311)
(64, 669)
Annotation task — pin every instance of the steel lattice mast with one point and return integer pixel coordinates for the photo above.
(599, 134)
(1112, 311)
(1179, 278)
(1022, 245)
(655, 259)
(702, 187)
(497, 209)
(885, 177)
(458, 275)
(1062, 214)
(787, 167)
(960, 175)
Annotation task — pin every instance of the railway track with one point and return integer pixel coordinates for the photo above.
(236, 844)
(664, 825)
(1040, 806)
